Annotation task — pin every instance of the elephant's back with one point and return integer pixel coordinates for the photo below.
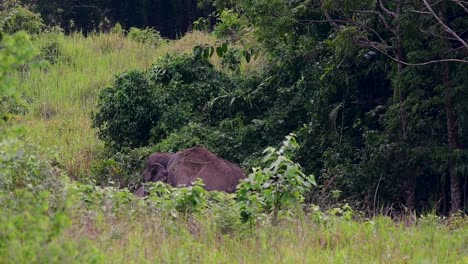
(216, 172)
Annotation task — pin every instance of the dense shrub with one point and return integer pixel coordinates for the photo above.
(177, 103)
(14, 18)
(23, 166)
(127, 111)
(30, 231)
(122, 169)
(35, 209)
(277, 186)
(148, 35)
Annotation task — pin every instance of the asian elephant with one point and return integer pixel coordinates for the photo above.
(184, 167)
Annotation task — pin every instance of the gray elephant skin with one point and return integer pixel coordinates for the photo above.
(184, 167)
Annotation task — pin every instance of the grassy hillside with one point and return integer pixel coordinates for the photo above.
(63, 95)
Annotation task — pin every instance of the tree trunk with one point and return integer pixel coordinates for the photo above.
(453, 142)
(452, 128)
(408, 178)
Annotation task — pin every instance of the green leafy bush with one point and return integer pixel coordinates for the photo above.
(230, 25)
(23, 166)
(224, 214)
(35, 209)
(30, 231)
(117, 29)
(148, 35)
(14, 18)
(170, 100)
(127, 111)
(122, 169)
(15, 51)
(276, 187)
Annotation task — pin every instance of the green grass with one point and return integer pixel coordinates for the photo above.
(155, 240)
(64, 95)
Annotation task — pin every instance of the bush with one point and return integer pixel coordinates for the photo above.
(148, 107)
(23, 166)
(122, 169)
(30, 231)
(230, 25)
(34, 209)
(16, 50)
(14, 18)
(276, 187)
(126, 111)
(147, 36)
(117, 29)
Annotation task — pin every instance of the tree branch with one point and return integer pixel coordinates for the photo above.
(387, 11)
(461, 4)
(384, 52)
(447, 28)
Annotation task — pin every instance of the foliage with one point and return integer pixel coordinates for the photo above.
(229, 26)
(126, 111)
(122, 169)
(369, 126)
(31, 231)
(121, 225)
(148, 35)
(167, 105)
(188, 200)
(51, 47)
(14, 18)
(281, 184)
(117, 29)
(23, 167)
(15, 50)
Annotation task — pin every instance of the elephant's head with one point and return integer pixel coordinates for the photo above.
(155, 169)
(155, 172)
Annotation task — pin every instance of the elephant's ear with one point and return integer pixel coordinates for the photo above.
(158, 172)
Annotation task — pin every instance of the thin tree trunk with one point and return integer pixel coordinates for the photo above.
(409, 181)
(452, 128)
(453, 142)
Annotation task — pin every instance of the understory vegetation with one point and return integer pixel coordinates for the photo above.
(349, 119)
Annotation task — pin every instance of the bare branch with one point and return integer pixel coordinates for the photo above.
(377, 47)
(420, 12)
(308, 21)
(448, 29)
(461, 4)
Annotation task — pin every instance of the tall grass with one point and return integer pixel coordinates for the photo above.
(63, 95)
(159, 240)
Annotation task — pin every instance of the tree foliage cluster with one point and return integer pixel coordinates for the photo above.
(375, 90)
(381, 94)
